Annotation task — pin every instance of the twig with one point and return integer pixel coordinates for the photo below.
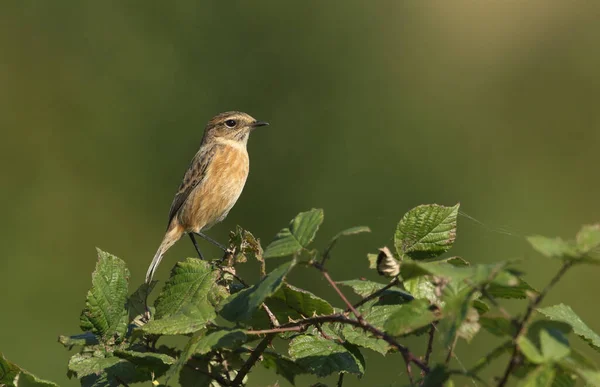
(375, 294)
(429, 344)
(340, 382)
(302, 324)
(451, 350)
(338, 291)
(409, 369)
(254, 356)
(523, 324)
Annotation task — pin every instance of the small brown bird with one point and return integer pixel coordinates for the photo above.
(212, 183)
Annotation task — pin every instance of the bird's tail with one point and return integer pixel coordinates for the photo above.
(169, 240)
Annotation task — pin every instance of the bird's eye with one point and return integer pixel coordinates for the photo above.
(230, 123)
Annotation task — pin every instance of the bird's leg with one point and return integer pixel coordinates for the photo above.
(196, 245)
(214, 242)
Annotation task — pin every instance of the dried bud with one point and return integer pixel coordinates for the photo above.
(387, 265)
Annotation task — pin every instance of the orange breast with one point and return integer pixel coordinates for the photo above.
(212, 199)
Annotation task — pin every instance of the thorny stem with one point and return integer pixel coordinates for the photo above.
(254, 356)
(301, 325)
(523, 324)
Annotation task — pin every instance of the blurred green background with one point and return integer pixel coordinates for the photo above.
(375, 107)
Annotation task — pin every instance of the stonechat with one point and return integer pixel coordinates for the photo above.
(212, 183)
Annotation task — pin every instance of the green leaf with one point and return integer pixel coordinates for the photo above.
(472, 275)
(409, 317)
(282, 365)
(426, 231)
(106, 371)
(564, 379)
(564, 313)
(323, 357)
(241, 306)
(300, 232)
(181, 323)
(218, 339)
(193, 377)
(545, 341)
(360, 338)
(157, 363)
(105, 312)
(498, 326)
(83, 339)
(518, 291)
(347, 232)
(293, 303)
(137, 301)
(188, 288)
(13, 375)
(458, 303)
(186, 302)
(554, 247)
(542, 376)
(365, 288)
(421, 288)
(588, 238)
(436, 377)
(201, 344)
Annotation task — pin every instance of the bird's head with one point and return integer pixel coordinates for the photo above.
(232, 126)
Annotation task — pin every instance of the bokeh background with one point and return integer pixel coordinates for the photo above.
(375, 107)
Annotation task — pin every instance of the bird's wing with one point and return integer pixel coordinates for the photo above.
(194, 175)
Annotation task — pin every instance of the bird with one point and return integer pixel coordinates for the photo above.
(212, 183)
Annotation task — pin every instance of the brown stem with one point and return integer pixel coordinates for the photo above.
(429, 345)
(339, 292)
(409, 369)
(523, 324)
(451, 350)
(254, 356)
(301, 325)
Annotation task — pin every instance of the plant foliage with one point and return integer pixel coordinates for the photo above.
(231, 327)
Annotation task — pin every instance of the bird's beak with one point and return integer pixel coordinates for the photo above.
(256, 124)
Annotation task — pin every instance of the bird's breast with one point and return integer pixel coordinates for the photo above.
(225, 178)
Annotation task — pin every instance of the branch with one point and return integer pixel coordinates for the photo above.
(339, 292)
(302, 324)
(254, 356)
(523, 324)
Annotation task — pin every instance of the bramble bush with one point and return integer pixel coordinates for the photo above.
(231, 325)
